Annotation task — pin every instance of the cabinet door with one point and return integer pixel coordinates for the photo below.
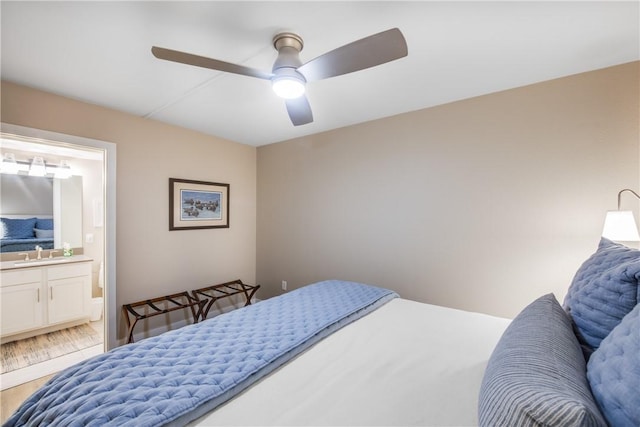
(21, 307)
(69, 299)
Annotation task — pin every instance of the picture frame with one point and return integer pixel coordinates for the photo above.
(198, 204)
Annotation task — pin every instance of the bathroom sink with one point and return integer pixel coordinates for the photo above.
(45, 261)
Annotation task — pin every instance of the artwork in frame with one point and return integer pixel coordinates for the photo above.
(198, 204)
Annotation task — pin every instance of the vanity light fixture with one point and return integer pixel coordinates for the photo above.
(620, 225)
(9, 164)
(37, 167)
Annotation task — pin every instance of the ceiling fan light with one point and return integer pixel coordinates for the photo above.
(288, 87)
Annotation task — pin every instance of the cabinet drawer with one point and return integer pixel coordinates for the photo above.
(64, 271)
(19, 277)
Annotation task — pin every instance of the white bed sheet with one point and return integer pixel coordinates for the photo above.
(406, 363)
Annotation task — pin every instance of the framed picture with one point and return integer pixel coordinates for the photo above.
(198, 204)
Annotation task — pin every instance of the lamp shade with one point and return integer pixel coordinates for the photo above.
(63, 170)
(37, 167)
(9, 164)
(620, 226)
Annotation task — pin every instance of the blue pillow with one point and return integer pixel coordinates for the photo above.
(536, 375)
(604, 289)
(18, 228)
(614, 372)
(43, 234)
(44, 223)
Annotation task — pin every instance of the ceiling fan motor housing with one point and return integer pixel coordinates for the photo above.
(288, 46)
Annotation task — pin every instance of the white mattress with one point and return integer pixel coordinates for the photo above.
(405, 364)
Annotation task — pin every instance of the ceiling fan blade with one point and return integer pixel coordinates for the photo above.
(299, 111)
(361, 54)
(204, 62)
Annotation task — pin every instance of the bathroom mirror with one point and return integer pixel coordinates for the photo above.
(23, 196)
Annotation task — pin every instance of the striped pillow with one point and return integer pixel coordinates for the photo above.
(536, 375)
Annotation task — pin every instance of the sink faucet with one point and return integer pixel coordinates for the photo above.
(26, 255)
(39, 249)
(51, 253)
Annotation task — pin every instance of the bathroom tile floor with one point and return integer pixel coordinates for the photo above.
(30, 373)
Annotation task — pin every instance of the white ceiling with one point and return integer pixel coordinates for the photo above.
(99, 52)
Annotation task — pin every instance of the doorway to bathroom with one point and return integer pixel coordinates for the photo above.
(36, 355)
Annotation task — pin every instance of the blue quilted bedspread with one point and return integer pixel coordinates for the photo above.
(17, 245)
(178, 376)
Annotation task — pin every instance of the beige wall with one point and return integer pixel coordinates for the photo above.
(482, 204)
(151, 260)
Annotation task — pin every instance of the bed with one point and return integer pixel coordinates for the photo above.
(345, 353)
(373, 373)
(25, 232)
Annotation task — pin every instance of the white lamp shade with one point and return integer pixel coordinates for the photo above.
(9, 164)
(63, 170)
(620, 226)
(37, 167)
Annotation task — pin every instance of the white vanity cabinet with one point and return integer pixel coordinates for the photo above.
(38, 300)
(68, 292)
(21, 302)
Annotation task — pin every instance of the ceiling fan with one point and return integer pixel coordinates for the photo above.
(289, 75)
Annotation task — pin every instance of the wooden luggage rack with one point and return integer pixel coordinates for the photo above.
(200, 302)
(212, 293)
(149, 308)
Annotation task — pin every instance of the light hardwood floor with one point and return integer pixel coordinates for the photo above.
(13, 397)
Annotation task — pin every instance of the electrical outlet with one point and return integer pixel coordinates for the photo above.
(284, 285)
